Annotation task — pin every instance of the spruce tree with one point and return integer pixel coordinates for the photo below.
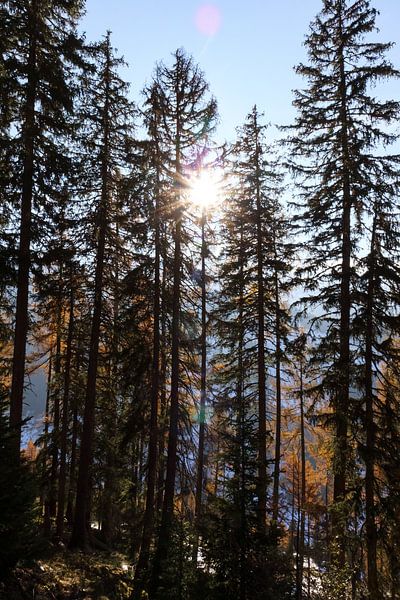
(44, 50)
(17, 499)
(188, 117)
(338, 127)
(106, 127)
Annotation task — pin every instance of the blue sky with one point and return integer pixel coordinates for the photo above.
(248, 60)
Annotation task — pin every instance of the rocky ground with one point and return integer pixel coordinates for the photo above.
(72, 576)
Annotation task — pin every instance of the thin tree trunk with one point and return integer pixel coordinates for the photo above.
(148, 520)
(242, 431)
(46, 507)
(74, 439)
(262, 399)
(298, 568)
(65, 419)
(370, 430)
(278, 422)
(24, 253)
(55, 436)
(293, 507)
(80, 533)
(203, 384)
(163, 379)
(299, 572)
(169, 490)
(342, 399)
(308, 559)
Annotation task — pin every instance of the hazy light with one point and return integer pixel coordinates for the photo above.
(205, 188)
(208, 19)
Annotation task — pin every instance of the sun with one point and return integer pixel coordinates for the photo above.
(205, 188)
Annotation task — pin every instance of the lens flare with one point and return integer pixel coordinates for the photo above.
(208, 19)
(205, 188)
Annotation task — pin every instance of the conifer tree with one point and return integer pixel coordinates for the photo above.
(43, 54)
(337, 129)
(188, 118)
(377, 325)
(106, 125)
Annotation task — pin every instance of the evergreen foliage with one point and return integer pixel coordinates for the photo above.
(18, 509)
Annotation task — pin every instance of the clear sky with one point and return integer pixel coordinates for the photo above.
(246, 48)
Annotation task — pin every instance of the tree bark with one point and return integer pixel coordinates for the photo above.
(300, 569)
(262, 399)
(278, 423)
(74, 439)
(148, 520)
(169, 490)
(370, 430)
(242, 432)
(24, 252)
(203, 385)
(80, 533)
(342, 399)
(65, 419)
(55, 435)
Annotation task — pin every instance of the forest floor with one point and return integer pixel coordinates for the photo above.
(72, 576)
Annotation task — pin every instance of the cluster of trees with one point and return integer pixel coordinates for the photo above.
(222, 385)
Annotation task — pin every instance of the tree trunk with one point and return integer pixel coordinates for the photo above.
(24, 253)
(74, 439)
(242, 433)
(262, 400)
(65, 419)
(148, 519)
(169, 490)
(55, 436)
(300, 569)
(202, 412)
(370, 430)
(278, 423)
(342, 400)
(46, 506)
(80, 533)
